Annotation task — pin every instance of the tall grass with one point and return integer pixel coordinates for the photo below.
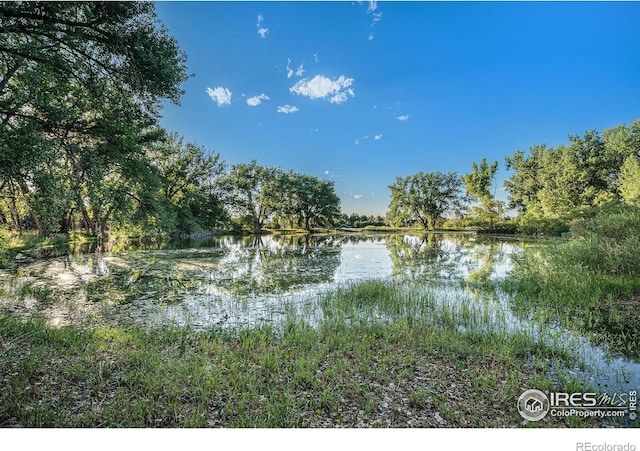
(386, 354)
(591, 281)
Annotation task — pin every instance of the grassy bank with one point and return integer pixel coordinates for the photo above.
(380, 358)
(590, 282)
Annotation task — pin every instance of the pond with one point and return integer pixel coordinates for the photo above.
(234, 281)
(244, 281)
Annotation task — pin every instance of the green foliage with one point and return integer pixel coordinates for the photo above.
(311, 200)
(591, 280)
(479, 181)
(629, 182)
(189, 179)
(608, 239)
(257, 194)
(360, 221)
(252, 193)
(423, 198)
(538, 225)
(80, 85)
(5, 256)
(555, 182)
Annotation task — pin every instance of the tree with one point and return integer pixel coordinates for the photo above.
(523, 186)
(479, 181)
(423, 197)
(629, 186)
(477, 184)
(253, 193)
(80, 82)
(190, 182)
(553, 182)
(313, 200)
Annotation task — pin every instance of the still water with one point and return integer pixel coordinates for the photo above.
(242, 282)
(235, 281)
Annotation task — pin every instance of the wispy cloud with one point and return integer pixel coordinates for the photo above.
(257, 100)
(320, 87)
(364, 138)
(372, 7)
(288, 109)
(299, 71)
(220, 95)
(358, 196)
(331, 174)
(262, 31)
(289, 70)
(403, 118)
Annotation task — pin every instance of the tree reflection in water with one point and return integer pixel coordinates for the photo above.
(221, 276)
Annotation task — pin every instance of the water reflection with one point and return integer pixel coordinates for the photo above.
(450, 256)
(217, 279)
(235, 281)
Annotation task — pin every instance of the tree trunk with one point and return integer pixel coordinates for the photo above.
(25, 191)
(65, 222)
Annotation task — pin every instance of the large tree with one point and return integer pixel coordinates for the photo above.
(478, 184)
(253, 193)
(312, 200)
(552, 182)
(424, 198)
(80, 83)
(190, 178)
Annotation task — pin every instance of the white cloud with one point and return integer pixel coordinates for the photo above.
(257, 100)
(220, 95)
(371, 37)
(358, 196)
(357, 141)
(403, 118)
(321, 87)
(289, 70)
(327, 172)
(378, 137)
(262, 31)
(373, 5)
(377, 17)
(288, 109)
(299, 71)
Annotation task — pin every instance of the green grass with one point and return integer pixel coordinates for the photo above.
(389, 356)
(590, 282)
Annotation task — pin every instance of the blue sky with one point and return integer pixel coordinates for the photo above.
(363, 92)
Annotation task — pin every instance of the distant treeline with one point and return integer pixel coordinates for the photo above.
(549, 186)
